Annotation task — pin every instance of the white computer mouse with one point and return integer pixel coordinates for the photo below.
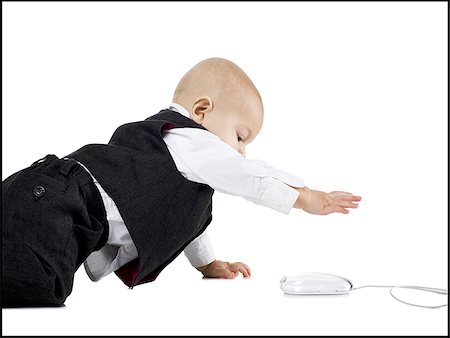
(315, 283)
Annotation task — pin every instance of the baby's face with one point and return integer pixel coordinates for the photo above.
(236, 123)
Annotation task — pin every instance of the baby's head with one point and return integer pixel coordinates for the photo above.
(222, 98)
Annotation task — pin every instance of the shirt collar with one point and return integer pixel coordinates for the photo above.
(179, 109)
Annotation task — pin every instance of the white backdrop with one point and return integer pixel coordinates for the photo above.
(355, 99)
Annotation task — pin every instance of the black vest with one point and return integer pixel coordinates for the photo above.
(162, 210)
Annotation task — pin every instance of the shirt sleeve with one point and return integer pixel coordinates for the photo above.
(202, 157)
(200, 252)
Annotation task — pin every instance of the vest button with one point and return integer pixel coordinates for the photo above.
(38, 191)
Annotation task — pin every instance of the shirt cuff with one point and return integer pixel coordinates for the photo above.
(277, 195)
(200, 252)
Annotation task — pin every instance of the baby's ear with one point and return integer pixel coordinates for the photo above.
(201, 107)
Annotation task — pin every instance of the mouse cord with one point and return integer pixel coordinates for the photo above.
(421, 288)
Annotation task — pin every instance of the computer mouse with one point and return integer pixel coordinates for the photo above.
(315, 283)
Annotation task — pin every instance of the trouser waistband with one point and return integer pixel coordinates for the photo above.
(93, 198)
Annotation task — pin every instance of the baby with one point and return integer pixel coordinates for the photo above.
(133, 205)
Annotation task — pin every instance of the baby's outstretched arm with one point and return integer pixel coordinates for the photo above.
(220, 269)
(322, 203)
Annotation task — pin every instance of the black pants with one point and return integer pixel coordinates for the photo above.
(53, 217)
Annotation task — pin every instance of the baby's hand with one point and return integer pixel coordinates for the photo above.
(321, 203)
(219, 269)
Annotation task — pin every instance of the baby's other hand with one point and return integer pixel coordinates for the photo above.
(220, 269)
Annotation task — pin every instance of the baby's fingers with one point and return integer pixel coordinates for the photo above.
(240, 267)
(344, 196)
(221, 272)
(347, 204)
(335, 208)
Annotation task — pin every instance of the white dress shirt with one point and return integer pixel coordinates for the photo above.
(200, 156)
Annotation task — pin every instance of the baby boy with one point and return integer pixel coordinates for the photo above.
(131, 206)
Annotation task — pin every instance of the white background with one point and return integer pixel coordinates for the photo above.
(355, 99)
